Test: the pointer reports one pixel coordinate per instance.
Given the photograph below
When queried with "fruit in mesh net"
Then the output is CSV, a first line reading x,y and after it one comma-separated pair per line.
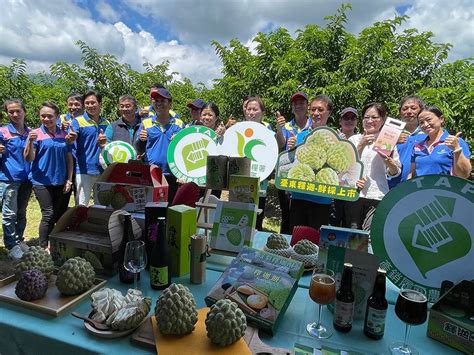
x,y
32,285
305,247
176,311
313,155
340,157
225,323
277,241
327,176
75,276
301,172
35,258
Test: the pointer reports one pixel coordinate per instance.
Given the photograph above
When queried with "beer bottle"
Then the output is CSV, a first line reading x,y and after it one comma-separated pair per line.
x,y
126,276
344,309
376,311
160,261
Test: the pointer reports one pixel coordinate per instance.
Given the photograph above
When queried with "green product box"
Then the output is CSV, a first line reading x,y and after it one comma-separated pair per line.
x,y
244,188
181,225
451,318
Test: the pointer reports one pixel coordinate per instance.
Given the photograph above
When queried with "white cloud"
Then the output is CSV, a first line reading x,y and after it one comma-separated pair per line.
x,y
106,11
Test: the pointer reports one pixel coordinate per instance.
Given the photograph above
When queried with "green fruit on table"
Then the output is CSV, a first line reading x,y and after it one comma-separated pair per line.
x,y
32,285
105,197
176,311
35,258
305,247
225,323
75,276
277,241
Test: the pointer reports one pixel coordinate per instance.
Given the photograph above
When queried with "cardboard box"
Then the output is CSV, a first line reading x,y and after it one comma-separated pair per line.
x,y
451,318
244,189
180,226
92,233
129,186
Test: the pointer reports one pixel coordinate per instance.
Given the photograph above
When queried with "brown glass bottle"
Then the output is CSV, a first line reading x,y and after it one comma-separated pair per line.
x,y
376,311
160,261
344,309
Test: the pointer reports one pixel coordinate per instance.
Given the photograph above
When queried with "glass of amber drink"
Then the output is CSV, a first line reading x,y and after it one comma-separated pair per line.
x,y
322,290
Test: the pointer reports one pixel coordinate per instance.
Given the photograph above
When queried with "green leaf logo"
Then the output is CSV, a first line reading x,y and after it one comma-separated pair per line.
x,y
240,144
249,146
431,237
195,155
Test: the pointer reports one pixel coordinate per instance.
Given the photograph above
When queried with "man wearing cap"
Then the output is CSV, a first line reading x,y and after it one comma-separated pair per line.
x,y
195,108
146,112
156,132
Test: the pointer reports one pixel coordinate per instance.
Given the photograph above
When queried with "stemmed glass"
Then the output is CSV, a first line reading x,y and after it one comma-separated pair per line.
x,y
411,308
322,290
134,259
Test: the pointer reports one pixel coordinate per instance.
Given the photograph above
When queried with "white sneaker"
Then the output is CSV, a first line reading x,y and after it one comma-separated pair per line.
x,y
24,247
15,253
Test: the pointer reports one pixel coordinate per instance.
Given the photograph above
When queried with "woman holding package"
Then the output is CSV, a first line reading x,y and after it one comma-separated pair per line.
x,y
440,152
51,169
377,166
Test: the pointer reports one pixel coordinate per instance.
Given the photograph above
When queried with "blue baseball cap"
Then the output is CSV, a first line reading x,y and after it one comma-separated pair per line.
x,y
161,92
198,103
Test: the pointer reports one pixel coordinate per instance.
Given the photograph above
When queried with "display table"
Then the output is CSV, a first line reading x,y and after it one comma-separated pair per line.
x,y
23,331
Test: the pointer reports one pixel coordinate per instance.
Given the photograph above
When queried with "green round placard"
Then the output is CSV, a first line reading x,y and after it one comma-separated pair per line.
x,y
117,152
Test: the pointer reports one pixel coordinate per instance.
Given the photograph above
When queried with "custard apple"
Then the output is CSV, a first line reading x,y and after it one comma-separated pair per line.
x,y
32,285
93,259
301,172
340,157
225,323
305,247
35,258
118,201
313,155
327,176
105,197
75,276
176,311
277,241
322,138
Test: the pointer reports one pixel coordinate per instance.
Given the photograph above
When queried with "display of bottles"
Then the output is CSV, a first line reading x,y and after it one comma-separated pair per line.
x,y
160,261
344,308
376,311
125,276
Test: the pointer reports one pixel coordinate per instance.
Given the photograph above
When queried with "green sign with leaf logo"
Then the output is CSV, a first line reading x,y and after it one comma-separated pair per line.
x,y
423,230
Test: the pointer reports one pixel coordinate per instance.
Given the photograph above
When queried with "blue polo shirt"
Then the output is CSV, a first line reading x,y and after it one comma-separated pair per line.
x,y
176,116
439,160
86,149
13,167
405,151
50,165
65,117
292,127
158,140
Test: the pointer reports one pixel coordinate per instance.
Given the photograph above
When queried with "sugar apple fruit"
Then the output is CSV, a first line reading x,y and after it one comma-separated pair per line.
x,y
225,323
105,197
313,155
277,241
327,176
176,311
322,138
35,258
75,276
32,285
305,247
301,172
118,201
340,157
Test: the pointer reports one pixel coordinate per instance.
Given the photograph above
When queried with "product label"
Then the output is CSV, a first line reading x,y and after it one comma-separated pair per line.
x,y
376,321
343,313
159,275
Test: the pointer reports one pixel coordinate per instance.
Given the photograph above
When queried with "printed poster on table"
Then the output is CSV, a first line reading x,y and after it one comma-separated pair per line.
x,y
254,141
423,231
324,165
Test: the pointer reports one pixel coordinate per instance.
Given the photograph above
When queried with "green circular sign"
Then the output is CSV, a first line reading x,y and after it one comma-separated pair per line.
x,y
423,231
188,151
117,152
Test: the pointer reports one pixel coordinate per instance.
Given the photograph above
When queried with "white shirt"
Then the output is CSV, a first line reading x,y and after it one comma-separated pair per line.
x,y
375,170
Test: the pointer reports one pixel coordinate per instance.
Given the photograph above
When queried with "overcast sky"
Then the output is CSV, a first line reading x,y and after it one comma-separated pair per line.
x,y
44,31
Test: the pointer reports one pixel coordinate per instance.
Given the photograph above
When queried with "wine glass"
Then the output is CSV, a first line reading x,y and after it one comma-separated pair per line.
x,y
411,308
322,290
134,259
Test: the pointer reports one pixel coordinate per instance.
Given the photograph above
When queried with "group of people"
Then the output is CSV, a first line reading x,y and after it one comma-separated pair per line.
x,y
62,155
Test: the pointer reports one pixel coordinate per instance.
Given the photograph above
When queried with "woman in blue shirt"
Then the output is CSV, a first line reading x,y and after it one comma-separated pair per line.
x,y
15,189
440,152
51,169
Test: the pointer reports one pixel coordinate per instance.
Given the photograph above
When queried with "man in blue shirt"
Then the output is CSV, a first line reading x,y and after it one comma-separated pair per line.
x,y
146,112
156,132
90,129
75,107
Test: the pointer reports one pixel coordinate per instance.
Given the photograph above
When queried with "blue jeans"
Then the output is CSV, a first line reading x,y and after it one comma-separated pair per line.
x,y
14,198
